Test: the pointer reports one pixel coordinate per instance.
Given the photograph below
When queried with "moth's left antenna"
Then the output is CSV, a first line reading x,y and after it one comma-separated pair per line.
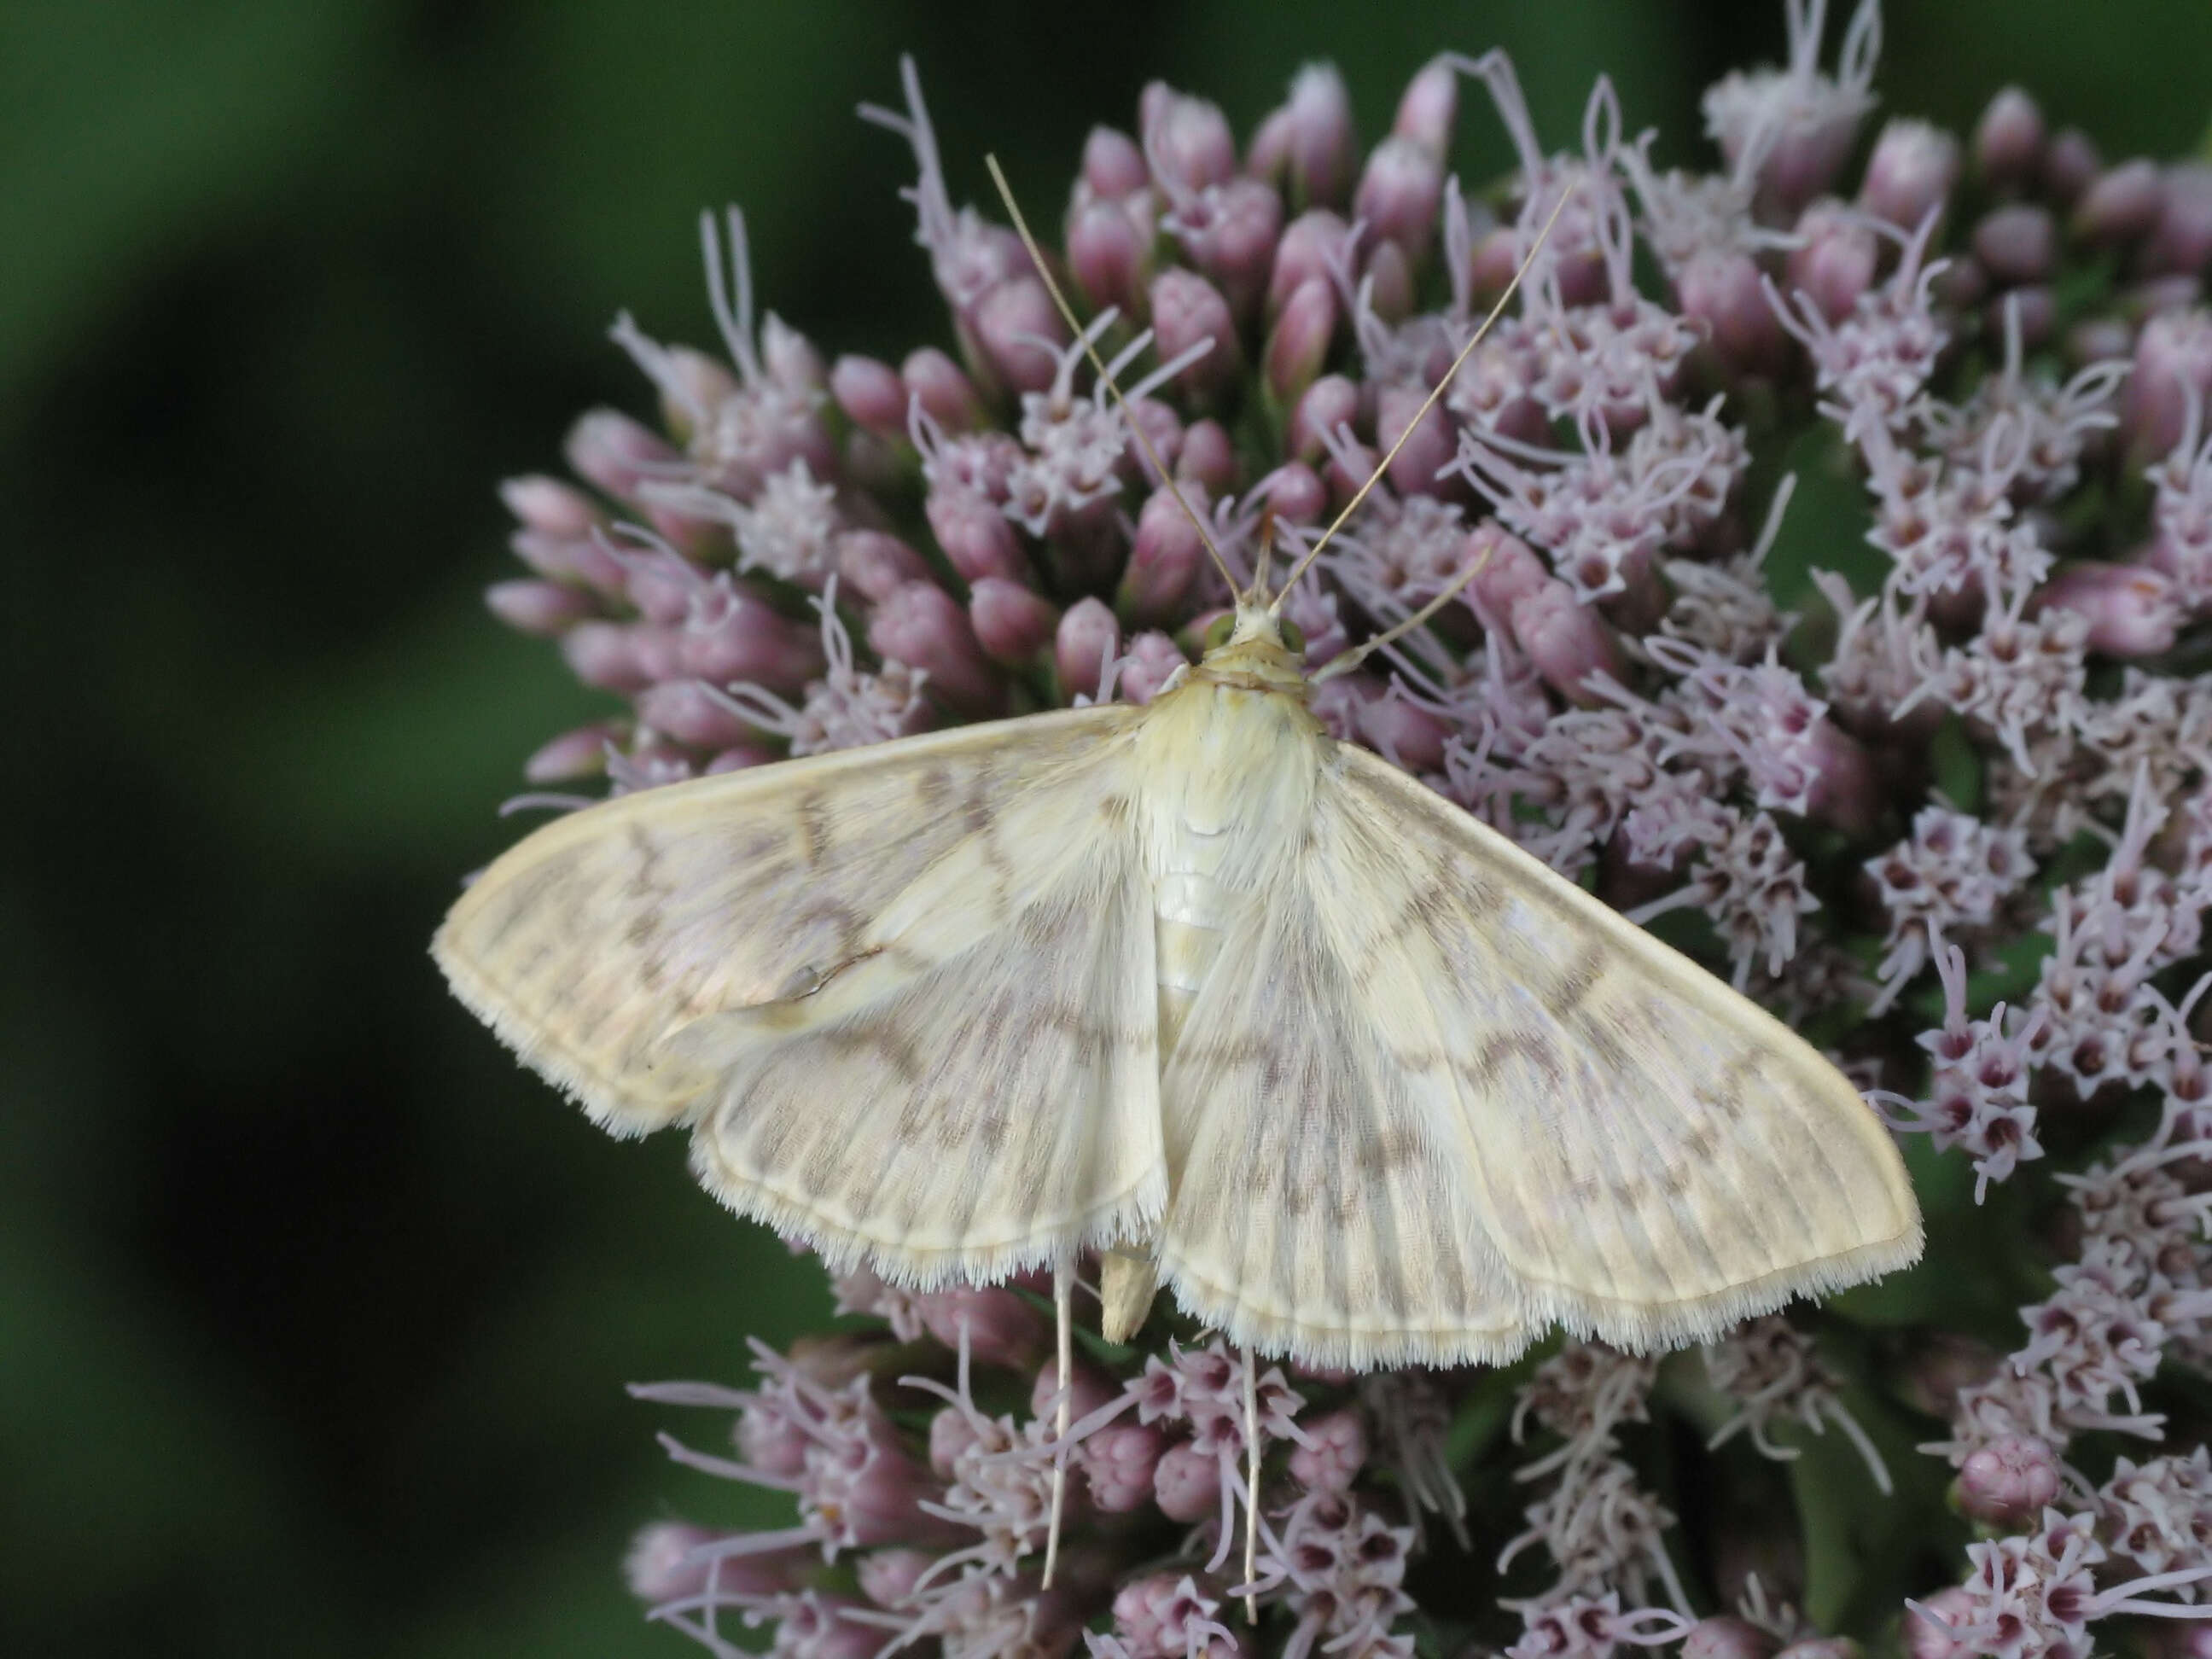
x,y
1098,363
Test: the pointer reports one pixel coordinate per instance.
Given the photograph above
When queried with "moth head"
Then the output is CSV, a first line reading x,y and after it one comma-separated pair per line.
x,y
1254,646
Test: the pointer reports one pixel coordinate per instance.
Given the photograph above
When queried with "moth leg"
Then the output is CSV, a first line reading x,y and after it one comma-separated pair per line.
x,y
1251,1486
1126,1284
1063,1313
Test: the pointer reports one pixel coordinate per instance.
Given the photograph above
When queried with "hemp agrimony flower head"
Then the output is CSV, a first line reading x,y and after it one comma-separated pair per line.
x,y
1930,775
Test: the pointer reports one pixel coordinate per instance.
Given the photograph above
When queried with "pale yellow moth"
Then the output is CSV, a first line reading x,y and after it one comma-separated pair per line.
x,y
1277,1027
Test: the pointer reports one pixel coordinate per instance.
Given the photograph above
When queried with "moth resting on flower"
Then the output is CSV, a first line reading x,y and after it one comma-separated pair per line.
x,y
1355,1078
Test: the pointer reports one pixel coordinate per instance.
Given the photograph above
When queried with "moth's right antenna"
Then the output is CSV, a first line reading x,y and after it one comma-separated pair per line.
x,y
1427,402
1067,314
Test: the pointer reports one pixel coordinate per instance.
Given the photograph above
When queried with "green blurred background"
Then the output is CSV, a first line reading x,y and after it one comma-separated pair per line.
x,y
314,1312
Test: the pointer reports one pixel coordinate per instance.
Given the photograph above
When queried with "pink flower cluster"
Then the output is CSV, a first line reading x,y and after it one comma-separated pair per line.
x,y
1940,793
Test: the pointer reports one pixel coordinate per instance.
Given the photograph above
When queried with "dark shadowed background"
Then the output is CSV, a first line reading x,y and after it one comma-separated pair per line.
x,y
314,1311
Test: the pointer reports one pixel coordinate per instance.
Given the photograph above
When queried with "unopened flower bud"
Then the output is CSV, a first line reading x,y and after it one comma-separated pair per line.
x,y
581,753
1911,170
1847,790
1299,344
1509,571
1153,659
1307,146
1729,1637
872,563
551,508
1012,623
2182,243
2121,204
2071,166
748,640
946,394
1409,734
1002,1328
660,588
888,1577
1399,191
1011,324
1836,260
1566,641
871,394
1208,457
616,453
1388,276
1106,255
1186,139
1429,445
1330,402
1113,166
2133,610
974,534
1350,465
1822,1647
658,651
1496,256
1296,493
604,655
1163,430
2017,244
1428,107
1232,238
1306,251
1186,309
1186,1483
1722,288
923,626
588,560
688,712
1089,1393
2173,362
2007,1482
1166,557
951,1436
2008,139
1119,1460
1329,1458
546,609
1088,640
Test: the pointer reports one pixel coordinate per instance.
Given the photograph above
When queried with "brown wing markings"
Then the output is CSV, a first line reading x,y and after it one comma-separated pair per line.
x,y
1707,1202
811,808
